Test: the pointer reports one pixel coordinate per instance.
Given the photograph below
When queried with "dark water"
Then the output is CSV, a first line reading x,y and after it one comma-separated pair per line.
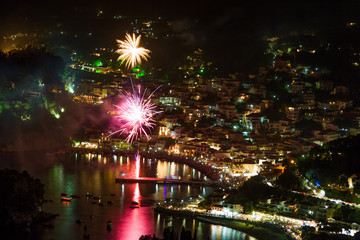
x,y
78,174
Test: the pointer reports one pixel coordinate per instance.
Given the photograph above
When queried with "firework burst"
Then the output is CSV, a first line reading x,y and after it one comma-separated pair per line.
x,y
136,114
130,52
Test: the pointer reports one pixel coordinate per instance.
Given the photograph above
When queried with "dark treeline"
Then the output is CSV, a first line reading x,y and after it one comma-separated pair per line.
x,y
335,162
35,110
20,202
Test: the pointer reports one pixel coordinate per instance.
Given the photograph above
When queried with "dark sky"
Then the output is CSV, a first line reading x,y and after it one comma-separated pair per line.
x,y
181,8
220,27
265,16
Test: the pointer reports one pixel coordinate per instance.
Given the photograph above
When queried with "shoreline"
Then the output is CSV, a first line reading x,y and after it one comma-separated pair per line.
x,y
161,156
256,231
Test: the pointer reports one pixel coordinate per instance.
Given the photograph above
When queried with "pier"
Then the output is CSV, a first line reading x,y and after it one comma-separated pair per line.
x,y
165,181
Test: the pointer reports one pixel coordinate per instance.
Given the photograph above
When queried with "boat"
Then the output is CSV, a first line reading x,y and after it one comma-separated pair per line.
x,y
89,194
54,153
65,199
134,203
134,207
110,202
49,154
63,194
96,197
109,225
48,225
78,221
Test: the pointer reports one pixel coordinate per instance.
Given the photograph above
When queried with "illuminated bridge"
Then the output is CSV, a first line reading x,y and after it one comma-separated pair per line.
x,y
165,181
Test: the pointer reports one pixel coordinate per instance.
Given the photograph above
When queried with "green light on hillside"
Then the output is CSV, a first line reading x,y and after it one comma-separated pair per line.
x,y
97,63
136,69
55,114
140,74
202,70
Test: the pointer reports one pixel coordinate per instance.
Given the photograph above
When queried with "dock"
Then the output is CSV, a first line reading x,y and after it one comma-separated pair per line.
x,y
165,181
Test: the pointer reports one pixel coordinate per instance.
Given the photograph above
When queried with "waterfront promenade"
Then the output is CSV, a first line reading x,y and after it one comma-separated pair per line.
x,y
207,170
164,181
259,230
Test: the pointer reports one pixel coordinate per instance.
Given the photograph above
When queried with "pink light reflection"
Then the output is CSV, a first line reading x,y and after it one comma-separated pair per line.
x,y
136,196
135,222
137,164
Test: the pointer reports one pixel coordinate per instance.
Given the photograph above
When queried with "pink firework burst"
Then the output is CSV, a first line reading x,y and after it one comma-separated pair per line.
x,y
136,114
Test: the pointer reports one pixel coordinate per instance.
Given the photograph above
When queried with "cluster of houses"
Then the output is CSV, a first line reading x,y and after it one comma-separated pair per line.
x,y
228,121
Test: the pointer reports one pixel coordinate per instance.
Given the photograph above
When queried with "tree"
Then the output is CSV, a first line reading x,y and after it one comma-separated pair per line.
x,y
21,198
249,207
206,122
289,180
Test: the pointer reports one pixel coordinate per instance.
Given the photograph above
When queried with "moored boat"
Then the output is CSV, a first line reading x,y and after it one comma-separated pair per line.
x,y
74,196
65,199
96,197
109,225
89,194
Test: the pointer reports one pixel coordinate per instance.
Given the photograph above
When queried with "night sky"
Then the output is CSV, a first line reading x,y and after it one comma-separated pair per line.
x,y
233,35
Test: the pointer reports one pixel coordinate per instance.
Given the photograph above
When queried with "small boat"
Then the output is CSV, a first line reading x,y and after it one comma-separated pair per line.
x,y
48,154
78,221
48,225
63,194
89,194
134,203
134,207
65,199
110,202
96,197
109,225
74,196
54,153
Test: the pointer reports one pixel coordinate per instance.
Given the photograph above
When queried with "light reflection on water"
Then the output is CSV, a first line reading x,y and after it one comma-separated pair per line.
x,y
93,173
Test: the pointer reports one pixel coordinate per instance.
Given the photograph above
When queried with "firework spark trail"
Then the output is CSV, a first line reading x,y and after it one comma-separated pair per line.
x,y
136,114
130,52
